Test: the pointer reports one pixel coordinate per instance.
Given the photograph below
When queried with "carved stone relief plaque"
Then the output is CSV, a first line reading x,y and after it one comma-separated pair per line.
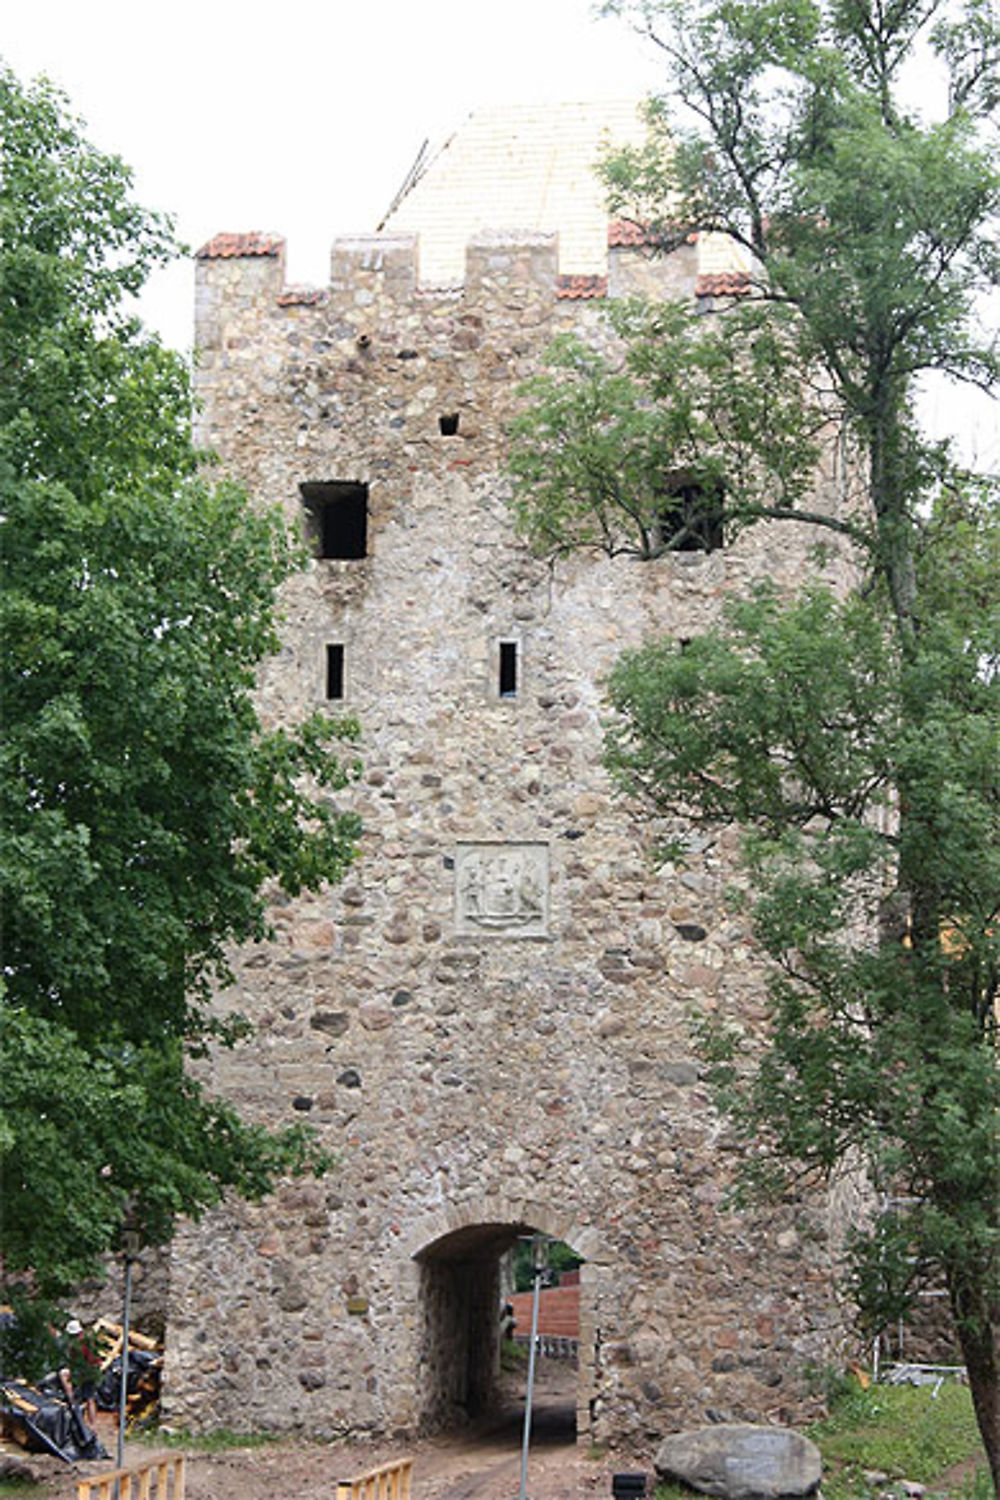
x,y
502,890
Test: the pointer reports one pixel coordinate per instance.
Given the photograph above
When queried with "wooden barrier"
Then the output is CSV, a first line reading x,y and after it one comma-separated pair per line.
x,y
150,1481
387,1482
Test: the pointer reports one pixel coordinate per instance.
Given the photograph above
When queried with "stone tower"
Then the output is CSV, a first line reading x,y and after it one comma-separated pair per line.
x,y
488,1022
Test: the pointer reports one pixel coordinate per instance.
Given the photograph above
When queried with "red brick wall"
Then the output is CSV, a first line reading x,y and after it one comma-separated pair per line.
x,y
558,1311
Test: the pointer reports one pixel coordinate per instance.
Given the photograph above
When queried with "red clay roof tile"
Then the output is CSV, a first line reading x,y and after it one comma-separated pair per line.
x,y
723,284
625,232
581,287
302,296
227,246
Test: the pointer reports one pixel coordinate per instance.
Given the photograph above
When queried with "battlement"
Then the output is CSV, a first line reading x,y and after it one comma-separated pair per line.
x,y
385,265
240,277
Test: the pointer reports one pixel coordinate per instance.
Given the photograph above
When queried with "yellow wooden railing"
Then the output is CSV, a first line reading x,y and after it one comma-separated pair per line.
x,y
149,1481
387,1482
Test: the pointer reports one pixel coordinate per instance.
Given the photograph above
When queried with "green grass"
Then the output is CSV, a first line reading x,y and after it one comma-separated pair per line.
x,y
513,1356
904,1432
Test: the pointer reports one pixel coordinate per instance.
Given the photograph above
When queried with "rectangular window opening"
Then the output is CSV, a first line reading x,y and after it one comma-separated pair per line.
x,y
337,518
508,669
691,516
334,671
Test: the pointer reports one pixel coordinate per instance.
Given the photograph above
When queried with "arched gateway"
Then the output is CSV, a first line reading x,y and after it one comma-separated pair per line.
x,y
458,1297
488,1022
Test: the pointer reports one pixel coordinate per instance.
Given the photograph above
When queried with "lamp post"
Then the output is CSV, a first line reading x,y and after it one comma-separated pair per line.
x,y
539,1262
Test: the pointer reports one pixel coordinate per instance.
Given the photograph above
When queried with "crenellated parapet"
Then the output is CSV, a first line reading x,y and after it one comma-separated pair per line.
x,y
240,278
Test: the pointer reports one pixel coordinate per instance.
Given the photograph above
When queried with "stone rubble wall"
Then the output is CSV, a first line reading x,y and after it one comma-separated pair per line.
x,y
462,1075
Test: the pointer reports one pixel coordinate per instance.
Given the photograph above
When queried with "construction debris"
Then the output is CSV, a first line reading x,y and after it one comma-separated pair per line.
x,y
43,1418
145,1366
45,1422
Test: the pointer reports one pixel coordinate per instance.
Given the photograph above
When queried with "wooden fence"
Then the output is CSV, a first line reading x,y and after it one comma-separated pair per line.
x,y
387,1482
149,1481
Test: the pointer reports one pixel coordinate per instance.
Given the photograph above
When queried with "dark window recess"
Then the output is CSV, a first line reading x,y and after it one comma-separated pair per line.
x,y
334,671
448,424
337,518
508,669
690,518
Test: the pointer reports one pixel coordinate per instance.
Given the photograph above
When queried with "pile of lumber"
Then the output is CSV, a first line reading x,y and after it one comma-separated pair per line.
x,y
145,1367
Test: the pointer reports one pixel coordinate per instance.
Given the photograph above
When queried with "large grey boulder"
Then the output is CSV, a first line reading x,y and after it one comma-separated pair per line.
x,y
741,1462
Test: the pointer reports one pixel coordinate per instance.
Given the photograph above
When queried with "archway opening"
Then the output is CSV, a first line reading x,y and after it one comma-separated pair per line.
x,y
473,1362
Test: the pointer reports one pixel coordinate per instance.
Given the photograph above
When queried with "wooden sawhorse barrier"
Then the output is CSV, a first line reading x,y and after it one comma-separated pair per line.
x,y
150,1481
387,1482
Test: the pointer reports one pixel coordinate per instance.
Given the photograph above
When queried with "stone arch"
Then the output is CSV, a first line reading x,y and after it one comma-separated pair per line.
x,y
454,1255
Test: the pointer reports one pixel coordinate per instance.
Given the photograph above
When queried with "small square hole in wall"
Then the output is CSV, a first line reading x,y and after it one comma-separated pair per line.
x,y
337,518
448,424
335,671
507,673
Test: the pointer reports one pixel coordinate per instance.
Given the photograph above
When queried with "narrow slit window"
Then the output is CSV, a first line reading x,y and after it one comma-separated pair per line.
x,y
448,424
337,518
508,669
335,671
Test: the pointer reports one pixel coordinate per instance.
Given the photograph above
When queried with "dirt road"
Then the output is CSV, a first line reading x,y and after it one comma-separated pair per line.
x,y
482,1462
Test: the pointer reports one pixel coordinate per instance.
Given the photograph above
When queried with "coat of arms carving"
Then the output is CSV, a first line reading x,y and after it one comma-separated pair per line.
x,y
502,889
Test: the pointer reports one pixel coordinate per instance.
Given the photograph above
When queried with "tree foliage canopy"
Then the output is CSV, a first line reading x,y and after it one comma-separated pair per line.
x,y
867,234
852,742
864,782
144,807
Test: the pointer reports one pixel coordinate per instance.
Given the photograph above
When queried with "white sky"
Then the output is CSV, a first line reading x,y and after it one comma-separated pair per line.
x,y
303,117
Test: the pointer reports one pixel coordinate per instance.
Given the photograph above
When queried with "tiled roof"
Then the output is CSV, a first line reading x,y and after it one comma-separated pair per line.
x,y
302,296
523,167
228,246
581,287
723,284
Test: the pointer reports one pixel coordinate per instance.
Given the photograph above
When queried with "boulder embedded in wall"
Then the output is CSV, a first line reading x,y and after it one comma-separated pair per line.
x,y
741,1462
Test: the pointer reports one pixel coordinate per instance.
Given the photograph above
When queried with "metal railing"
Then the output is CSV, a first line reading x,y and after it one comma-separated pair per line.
x,y
149,1481
551,1345
387,1482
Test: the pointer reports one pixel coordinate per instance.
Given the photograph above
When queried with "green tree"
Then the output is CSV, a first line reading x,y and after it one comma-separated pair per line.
x,y
144,807
854,744
805,727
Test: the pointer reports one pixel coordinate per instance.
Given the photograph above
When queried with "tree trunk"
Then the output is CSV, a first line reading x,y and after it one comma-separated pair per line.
x,y
975,1305
889,497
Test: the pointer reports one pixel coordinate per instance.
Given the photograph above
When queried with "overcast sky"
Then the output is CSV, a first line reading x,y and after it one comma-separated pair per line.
x,y
303,117
300,116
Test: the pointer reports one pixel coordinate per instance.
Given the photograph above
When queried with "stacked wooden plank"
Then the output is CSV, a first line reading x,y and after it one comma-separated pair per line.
x,y
145,1370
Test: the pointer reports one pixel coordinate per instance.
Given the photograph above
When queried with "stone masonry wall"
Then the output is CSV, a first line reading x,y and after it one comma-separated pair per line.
x,y
488,1022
